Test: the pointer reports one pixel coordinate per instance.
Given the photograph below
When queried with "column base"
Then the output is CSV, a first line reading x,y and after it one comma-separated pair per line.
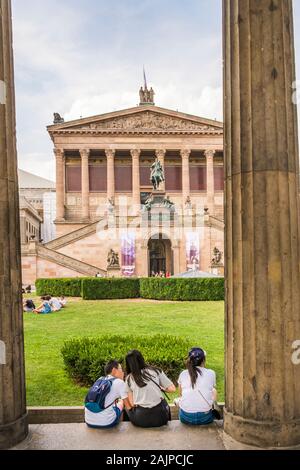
x,y
13,433
263,434
59,221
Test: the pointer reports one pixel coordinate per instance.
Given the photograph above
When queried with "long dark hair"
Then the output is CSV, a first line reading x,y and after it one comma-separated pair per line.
x,y
195,360
136,368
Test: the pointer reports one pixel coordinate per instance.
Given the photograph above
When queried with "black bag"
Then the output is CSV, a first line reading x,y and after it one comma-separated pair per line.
x,y
216,415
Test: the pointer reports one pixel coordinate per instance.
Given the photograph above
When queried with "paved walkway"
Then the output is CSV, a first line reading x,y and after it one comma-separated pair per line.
x,y
175,436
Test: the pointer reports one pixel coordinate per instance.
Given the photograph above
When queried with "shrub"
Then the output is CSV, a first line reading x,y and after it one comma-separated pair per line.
x,y
69,287
115,288
86,358
182,289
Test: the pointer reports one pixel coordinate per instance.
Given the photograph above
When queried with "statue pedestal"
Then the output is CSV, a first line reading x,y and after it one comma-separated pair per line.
x,y
114,271
158,196
217,269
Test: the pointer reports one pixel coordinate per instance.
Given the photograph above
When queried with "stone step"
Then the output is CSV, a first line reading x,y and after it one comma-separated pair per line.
x,y
72,414
72,237
68,262
174,436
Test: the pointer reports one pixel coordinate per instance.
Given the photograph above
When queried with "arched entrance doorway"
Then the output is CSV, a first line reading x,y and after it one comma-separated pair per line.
x,y
160,255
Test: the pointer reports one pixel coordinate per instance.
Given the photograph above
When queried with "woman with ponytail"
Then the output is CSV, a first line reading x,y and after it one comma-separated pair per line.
x,y
197,390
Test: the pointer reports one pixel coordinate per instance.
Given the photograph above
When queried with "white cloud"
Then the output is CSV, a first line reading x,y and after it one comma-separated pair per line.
x,y
85,57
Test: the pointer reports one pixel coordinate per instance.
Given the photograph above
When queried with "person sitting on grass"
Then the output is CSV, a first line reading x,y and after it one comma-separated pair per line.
x,y
145,386
45,307
63,301
55,304
28,306
104,404
197,390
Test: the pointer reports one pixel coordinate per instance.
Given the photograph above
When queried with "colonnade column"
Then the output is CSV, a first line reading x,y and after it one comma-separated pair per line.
x,y
261,225
186,190
60,184
85,183
110,156
13,415
209,154
160,154
136,184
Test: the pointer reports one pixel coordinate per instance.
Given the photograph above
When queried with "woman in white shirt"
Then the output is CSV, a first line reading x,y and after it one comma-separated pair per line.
x,y
197,390
145,386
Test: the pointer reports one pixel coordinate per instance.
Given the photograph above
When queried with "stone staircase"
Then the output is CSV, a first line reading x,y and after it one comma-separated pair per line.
x,y
73,236
68,262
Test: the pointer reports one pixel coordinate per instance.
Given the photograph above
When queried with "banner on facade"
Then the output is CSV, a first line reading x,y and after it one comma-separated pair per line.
x,y
128,254
193,250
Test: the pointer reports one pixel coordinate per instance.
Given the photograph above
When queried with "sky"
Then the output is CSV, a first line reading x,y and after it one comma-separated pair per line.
x,y
86,57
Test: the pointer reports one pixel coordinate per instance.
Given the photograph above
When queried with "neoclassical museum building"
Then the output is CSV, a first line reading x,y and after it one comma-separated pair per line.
x,y
109,218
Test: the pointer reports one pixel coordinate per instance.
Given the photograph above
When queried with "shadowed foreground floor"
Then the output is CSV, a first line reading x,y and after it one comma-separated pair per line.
x,y
175,436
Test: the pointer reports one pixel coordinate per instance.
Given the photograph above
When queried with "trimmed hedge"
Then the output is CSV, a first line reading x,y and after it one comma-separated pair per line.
x,y
86,358
68,287
178,289
183,289
114,288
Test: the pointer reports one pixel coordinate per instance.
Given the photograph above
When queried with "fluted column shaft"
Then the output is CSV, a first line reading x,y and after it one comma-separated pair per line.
x,y
210,179
186,190
161,154
136,188
85,183
110,156
262,232
13,416
60,184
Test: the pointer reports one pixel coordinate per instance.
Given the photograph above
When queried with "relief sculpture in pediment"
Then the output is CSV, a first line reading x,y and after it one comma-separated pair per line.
x,y
152,121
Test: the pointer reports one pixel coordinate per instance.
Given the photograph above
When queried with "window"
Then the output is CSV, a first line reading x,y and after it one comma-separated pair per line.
x,y
73,179
198,178
219,178
173,175
145,175
98,178
123,177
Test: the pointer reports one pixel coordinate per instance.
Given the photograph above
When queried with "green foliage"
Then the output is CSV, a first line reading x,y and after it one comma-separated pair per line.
x,y
182,289
68,287
201,323
114,288
85,358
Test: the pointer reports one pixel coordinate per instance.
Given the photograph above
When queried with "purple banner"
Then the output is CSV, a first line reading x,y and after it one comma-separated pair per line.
x,y
128,254
192,250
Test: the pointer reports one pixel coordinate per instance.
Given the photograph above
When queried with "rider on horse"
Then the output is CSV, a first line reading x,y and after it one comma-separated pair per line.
x,y
157,174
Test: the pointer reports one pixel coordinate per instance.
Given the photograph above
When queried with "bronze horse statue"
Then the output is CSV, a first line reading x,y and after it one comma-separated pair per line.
x,y
157,174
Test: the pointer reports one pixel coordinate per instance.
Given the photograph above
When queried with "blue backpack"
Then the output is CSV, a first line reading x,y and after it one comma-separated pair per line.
x,y
95,399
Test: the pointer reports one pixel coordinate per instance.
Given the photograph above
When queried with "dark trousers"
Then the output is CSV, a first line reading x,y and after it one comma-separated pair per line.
x,y
150,417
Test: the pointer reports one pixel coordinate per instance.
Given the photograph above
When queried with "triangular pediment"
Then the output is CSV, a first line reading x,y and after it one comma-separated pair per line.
x,y
141,119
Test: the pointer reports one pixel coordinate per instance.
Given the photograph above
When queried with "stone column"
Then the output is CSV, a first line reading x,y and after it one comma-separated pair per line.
x,y
176,258
136,185
161,153
85,184
210,180
13,415
60,185
186,190
262,231
110,156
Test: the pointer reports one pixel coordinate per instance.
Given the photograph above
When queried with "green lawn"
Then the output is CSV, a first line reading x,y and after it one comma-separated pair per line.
x,y
47,382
